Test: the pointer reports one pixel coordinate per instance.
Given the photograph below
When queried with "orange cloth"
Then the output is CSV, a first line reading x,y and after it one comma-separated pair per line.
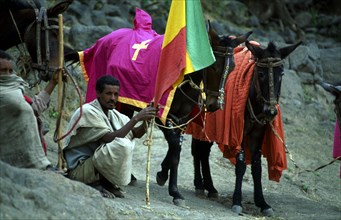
x,y
225,127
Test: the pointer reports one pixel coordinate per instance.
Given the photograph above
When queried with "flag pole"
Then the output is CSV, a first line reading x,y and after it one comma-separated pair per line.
x,y
60,89
149,142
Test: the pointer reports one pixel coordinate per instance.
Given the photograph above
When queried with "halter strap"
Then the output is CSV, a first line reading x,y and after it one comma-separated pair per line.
x,y
269,63
228,55
41,17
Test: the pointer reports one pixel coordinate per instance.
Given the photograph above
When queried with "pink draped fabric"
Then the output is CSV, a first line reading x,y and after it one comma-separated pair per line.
x,y
132,56
337,143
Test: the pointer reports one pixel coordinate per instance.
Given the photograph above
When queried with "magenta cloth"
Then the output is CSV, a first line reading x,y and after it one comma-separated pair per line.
x,y
118,54
337,143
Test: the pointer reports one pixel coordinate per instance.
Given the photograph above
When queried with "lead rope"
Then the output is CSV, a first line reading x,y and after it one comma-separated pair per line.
x,y
253,113
291,158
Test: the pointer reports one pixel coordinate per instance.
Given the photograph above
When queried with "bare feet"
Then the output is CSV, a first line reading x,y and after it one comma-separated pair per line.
x,y
105,193
117,191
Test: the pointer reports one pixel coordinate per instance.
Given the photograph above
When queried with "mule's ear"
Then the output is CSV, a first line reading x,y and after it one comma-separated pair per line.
x,y
255,49
241,39
212,35
59,8
331,88
285,51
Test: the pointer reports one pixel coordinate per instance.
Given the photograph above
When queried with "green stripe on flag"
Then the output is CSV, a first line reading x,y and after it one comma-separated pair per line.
x,y
198,46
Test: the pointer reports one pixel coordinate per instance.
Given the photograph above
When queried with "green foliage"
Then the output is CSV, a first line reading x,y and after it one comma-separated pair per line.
x,y
156,8
314,16
305,188
53,113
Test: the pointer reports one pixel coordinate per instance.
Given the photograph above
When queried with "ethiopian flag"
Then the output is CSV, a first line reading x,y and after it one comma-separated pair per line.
x,y
185,49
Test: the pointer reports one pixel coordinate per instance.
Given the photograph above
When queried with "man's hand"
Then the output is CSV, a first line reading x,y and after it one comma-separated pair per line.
x,y
55,78
147,113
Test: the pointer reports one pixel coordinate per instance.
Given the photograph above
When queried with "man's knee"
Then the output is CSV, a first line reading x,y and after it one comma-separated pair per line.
x,y
85,172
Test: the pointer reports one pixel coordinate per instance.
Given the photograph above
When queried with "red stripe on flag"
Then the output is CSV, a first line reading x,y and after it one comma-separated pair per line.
x,y
171,65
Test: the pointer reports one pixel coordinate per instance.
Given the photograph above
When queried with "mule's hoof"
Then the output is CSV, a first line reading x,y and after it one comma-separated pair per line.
x,y
237,209
268,212
179,202
160,181
199,192
213,195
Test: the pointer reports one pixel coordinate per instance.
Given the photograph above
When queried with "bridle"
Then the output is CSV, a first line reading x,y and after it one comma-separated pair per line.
x,y
269,63
228,55
42,24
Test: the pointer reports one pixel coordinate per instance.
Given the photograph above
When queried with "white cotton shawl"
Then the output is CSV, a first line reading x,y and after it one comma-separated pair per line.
x,y
113,160
19,136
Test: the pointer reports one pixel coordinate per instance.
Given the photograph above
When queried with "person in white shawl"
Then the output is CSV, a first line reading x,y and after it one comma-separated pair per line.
x,y
20,137
99,150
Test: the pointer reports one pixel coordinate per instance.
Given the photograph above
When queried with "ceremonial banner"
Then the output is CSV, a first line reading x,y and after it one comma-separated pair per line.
x,y
185,49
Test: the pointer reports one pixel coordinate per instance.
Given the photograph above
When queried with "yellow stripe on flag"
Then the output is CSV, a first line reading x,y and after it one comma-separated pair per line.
x,y
178,14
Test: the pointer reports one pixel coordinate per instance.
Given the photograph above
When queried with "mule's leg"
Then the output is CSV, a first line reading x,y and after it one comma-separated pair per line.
x,y
196,145
204,153
256,170
239,172
171,162
170,134
178,199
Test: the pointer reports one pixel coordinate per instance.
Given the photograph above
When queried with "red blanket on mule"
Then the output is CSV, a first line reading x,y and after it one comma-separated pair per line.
x,y
225,127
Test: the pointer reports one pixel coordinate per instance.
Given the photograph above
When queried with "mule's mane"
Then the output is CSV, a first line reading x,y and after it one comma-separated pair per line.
x,y
272,47
17,4
225,40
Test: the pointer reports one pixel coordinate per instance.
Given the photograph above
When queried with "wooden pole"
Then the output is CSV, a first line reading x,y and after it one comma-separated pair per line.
x,y
149,143
60,90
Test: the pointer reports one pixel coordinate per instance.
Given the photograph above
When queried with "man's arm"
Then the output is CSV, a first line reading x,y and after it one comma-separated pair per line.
x,y
145,114
139,131
42,100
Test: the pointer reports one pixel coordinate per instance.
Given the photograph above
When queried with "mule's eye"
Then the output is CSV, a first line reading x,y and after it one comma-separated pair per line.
x,y
261,74
282,74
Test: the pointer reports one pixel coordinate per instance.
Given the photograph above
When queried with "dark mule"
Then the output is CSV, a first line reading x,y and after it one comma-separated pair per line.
x,y
263,96
214,78
186,97
30,23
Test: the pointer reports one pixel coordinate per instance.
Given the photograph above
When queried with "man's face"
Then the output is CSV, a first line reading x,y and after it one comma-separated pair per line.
x,y
6,67
109,97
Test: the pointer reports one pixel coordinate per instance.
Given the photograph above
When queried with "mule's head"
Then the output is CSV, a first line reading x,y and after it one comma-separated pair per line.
x,y
336,91
267,78
42,38
215,76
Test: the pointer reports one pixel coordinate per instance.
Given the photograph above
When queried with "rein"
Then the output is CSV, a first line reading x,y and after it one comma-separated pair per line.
x,y
199,103
194,86
291,158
